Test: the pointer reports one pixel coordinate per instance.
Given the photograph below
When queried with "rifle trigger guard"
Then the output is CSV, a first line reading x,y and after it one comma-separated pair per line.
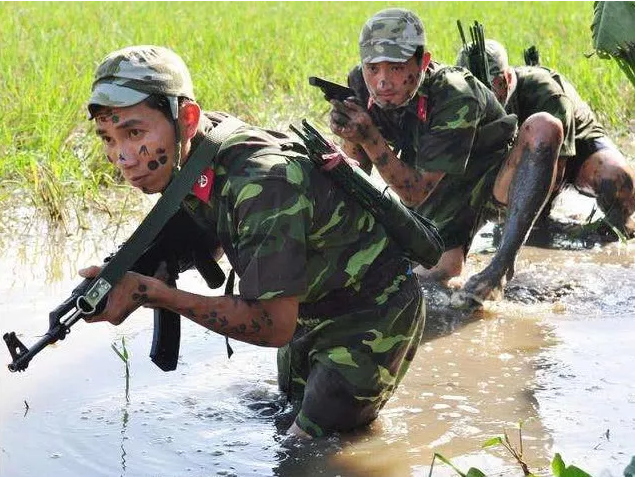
x,y
88,303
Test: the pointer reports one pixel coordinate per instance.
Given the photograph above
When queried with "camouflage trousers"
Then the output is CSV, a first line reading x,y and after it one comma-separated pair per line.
x,y
343,369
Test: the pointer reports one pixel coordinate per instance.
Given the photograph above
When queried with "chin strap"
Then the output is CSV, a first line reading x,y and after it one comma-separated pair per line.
x,y
174,108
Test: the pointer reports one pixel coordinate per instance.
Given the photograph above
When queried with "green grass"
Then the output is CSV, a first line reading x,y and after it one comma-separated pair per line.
x,y
248,58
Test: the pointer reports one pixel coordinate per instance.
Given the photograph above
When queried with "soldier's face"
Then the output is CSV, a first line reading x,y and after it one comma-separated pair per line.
x,y
392,84
139,141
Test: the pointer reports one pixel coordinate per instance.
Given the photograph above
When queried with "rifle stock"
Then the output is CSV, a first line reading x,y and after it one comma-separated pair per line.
x,y
181,244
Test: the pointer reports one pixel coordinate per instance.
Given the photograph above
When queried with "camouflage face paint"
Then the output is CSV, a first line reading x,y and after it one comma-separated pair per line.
x,y
162,156
160,161
115,119
144,150
142,296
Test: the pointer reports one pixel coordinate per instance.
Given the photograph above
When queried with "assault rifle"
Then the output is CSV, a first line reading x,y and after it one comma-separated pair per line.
x,y
532,56
475,52
417,236
181,244
331,90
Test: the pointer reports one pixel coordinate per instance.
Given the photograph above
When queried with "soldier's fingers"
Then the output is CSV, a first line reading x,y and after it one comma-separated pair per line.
x,y
341,131
340,106
354,105
340,119
89,272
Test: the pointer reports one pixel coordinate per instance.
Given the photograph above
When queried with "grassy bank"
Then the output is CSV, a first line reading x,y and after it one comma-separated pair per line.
x,y
251,59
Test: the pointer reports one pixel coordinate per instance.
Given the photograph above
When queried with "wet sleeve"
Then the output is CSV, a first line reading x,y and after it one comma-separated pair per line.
x,y
271,222
446,145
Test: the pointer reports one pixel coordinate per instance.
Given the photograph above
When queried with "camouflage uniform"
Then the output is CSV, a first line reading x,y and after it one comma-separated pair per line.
x,y
453,124
541,89
287,230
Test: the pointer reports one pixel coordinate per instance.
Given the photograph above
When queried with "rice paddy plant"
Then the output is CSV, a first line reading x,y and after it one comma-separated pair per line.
x,y
558,467
248,58
123,355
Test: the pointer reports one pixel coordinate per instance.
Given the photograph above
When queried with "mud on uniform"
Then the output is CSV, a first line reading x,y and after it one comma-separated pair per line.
x,y
287,230
542,89
453,124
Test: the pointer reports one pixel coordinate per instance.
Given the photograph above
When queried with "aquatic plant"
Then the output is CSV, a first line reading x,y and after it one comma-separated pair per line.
x,y
123,354
558,467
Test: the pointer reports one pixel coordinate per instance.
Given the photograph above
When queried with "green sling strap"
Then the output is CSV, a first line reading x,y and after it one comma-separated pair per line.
x,y
156,219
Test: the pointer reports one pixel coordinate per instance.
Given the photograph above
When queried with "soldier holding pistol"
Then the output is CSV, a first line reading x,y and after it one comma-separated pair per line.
x,y
442,142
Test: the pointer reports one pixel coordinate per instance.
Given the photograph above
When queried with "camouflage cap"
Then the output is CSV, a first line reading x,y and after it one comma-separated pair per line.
x,y
496,54
128,76
392,34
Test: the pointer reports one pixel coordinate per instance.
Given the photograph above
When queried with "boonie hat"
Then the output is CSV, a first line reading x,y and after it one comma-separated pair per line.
x,y
128,76
393,34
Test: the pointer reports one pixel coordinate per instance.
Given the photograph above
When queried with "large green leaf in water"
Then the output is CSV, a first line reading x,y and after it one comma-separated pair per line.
x,y
613,32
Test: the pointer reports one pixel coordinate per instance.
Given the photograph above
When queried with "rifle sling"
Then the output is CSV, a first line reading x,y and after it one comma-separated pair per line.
x,y
167,205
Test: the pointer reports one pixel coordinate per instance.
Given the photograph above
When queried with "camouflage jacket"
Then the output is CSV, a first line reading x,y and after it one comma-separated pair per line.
x,y
285,227
541,89
454,136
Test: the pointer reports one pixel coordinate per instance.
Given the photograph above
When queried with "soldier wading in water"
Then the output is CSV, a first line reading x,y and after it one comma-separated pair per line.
x,y
320,279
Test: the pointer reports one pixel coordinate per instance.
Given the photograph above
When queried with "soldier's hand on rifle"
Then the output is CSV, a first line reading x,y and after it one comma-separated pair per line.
x,y
334,159
351,122
129,294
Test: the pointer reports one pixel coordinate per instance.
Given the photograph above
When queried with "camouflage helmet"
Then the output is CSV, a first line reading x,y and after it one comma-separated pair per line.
x,y
496,54
393,34
128,76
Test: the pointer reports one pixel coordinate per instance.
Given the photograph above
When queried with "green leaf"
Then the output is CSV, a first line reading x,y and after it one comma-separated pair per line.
x,y
614,34
612,26
447,462
557,466
114,348
560,470
474,472
630,469
494,441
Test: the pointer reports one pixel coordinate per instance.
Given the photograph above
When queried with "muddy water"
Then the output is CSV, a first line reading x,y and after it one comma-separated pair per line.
x,y
557,355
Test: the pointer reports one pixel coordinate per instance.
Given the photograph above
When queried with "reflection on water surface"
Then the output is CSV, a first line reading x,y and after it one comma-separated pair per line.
x,y
556,354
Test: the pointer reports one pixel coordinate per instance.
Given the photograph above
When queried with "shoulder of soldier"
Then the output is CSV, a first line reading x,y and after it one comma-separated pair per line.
x,y
451,82
536,75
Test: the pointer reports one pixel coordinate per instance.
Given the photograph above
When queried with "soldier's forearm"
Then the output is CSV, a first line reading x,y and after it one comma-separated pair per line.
x,y
406,181
260,322
356,151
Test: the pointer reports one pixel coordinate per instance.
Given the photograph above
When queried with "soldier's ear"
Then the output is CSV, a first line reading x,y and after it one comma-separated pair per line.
x,y
425,60
189,116
507,73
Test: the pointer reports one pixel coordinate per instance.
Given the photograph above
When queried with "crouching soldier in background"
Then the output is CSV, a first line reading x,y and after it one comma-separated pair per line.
x,y
588,158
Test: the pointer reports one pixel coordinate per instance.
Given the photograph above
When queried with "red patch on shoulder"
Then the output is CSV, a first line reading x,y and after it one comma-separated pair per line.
x,y
204,185
422,108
